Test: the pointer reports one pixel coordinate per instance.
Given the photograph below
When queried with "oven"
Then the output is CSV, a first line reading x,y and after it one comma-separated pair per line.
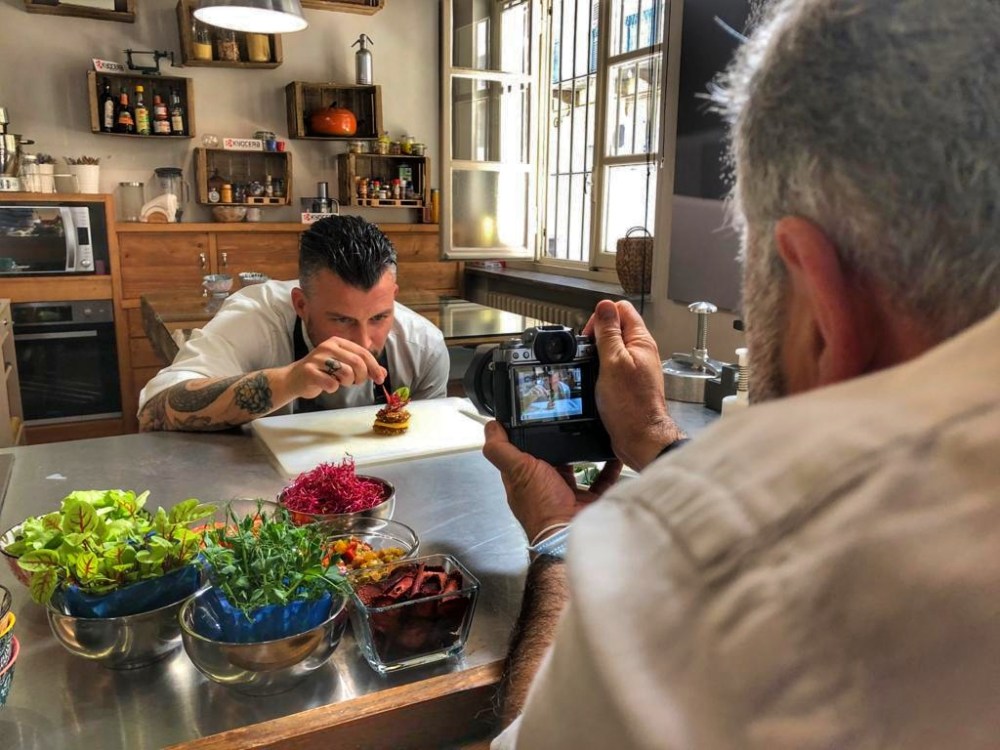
x,y
67,361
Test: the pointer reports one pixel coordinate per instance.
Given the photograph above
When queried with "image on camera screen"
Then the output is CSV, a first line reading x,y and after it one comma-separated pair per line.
x,y
549,392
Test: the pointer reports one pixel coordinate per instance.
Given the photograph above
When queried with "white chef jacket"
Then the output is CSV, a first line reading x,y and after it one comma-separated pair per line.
x,y
822,571
253,331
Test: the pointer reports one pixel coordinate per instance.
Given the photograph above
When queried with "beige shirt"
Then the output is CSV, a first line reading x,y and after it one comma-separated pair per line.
x,y
253,331
818,572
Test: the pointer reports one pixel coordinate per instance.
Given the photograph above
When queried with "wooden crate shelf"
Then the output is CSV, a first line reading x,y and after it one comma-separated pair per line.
x,y
352,167
362,7
185,22
365,102
243,167
152,84
124,11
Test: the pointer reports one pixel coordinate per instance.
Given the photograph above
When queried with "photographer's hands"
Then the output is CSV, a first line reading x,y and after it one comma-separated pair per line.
x,y
540,494
629,386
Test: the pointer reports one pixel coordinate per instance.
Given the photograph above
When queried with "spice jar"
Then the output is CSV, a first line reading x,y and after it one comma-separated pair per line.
x,y
226,193
417,149
227,48
382,144
259,47
357,147
406,144
395,148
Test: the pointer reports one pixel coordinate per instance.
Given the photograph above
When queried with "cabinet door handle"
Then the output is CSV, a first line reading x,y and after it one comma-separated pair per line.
x,y
203,261
225,260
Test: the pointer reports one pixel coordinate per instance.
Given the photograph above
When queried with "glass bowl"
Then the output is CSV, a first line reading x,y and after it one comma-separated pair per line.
x,y
6,637
417,631
267,667
379,533
217,284
6,540
384,509
7,674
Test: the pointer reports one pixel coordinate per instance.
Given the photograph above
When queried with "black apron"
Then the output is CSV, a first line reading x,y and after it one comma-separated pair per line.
x,y
301,349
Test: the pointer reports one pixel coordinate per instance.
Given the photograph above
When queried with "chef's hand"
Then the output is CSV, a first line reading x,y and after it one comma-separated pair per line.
x,y
629,387
334,363
539,494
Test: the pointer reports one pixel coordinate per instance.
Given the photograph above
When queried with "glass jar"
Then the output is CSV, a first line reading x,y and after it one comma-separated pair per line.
x,y
417,149
406,144
201,41
357,147
131,198
395,148
259,47
227,48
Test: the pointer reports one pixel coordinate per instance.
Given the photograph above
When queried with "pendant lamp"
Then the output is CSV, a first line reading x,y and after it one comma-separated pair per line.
x,y
255,16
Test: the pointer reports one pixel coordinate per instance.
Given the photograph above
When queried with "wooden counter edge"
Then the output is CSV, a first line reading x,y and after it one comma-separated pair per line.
x,y
437,712
255,226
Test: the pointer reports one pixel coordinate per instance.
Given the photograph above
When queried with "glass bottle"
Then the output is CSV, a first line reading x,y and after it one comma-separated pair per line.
x,y
107,107
126,120
178,124
141,113
215,183
201,41
227,47
161,117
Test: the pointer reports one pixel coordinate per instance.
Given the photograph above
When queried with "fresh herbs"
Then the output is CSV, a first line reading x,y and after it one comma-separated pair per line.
x,y
260,560
396,400
101,540
332,488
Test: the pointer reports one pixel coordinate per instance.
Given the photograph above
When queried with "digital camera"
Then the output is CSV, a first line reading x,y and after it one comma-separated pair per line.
x,y
540,387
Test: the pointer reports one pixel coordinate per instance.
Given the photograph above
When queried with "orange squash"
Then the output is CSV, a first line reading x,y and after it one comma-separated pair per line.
x,y
333,120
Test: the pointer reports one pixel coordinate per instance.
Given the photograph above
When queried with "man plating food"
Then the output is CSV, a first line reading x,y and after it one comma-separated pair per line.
x,y
332,339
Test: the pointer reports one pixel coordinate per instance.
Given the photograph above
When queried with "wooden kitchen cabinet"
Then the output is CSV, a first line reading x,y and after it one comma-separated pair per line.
x,y
273,253
11,415
163,261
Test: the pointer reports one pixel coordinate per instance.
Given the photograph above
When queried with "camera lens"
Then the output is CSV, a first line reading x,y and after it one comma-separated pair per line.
x,y
555,346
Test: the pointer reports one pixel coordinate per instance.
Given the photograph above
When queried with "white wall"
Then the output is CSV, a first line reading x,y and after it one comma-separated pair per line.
x,y
43,85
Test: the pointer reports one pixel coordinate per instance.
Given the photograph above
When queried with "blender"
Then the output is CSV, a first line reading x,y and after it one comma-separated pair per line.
x,y
170,192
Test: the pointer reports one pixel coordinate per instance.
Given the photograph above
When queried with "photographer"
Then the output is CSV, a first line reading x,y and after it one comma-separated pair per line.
x,y
819,571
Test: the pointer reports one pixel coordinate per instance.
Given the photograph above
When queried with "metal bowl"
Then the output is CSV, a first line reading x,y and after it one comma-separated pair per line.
x,y
119,642
384,509
247,278
6,540
267,667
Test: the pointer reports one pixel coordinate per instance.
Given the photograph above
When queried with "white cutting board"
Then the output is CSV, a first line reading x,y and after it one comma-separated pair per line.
x,y
298,442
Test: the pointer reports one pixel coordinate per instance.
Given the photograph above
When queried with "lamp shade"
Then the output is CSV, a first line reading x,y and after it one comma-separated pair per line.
x,y
256,16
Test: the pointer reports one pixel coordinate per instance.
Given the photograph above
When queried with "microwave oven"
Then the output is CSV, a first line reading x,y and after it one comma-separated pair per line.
x,y
61,237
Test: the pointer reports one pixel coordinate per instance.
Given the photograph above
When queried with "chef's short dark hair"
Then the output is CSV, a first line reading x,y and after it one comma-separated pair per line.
x,y
357,251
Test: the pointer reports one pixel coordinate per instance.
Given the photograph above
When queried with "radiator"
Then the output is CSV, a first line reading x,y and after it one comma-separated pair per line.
x,y
547,312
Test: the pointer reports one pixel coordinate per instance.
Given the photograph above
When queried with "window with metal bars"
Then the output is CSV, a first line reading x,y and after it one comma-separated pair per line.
x,y
605,87
552,126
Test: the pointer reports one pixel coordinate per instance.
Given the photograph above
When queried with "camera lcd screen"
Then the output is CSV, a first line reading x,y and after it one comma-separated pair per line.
x,y
547,393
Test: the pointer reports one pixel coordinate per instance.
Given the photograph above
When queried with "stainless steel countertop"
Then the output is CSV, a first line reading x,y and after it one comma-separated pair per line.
x,y
455,503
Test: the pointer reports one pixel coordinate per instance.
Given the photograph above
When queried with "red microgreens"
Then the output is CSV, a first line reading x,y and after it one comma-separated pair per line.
x,y
397,399
332,488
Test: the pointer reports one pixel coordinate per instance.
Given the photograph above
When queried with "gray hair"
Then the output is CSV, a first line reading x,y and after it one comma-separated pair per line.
x,y
878,120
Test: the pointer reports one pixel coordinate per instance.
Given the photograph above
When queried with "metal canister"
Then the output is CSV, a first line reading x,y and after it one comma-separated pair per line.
x,y
363,61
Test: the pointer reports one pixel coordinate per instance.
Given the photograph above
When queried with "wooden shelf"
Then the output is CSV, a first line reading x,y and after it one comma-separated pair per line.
x,y
124,11
352,167
243,167
362,7
365,102
185,22
152,84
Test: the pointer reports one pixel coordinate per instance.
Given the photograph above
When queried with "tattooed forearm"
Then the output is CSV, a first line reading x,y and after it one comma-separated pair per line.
x,y
253,395
203,404
187,399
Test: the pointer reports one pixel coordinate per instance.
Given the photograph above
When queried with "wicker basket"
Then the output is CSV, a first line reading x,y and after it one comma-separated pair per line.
x,y
634,261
